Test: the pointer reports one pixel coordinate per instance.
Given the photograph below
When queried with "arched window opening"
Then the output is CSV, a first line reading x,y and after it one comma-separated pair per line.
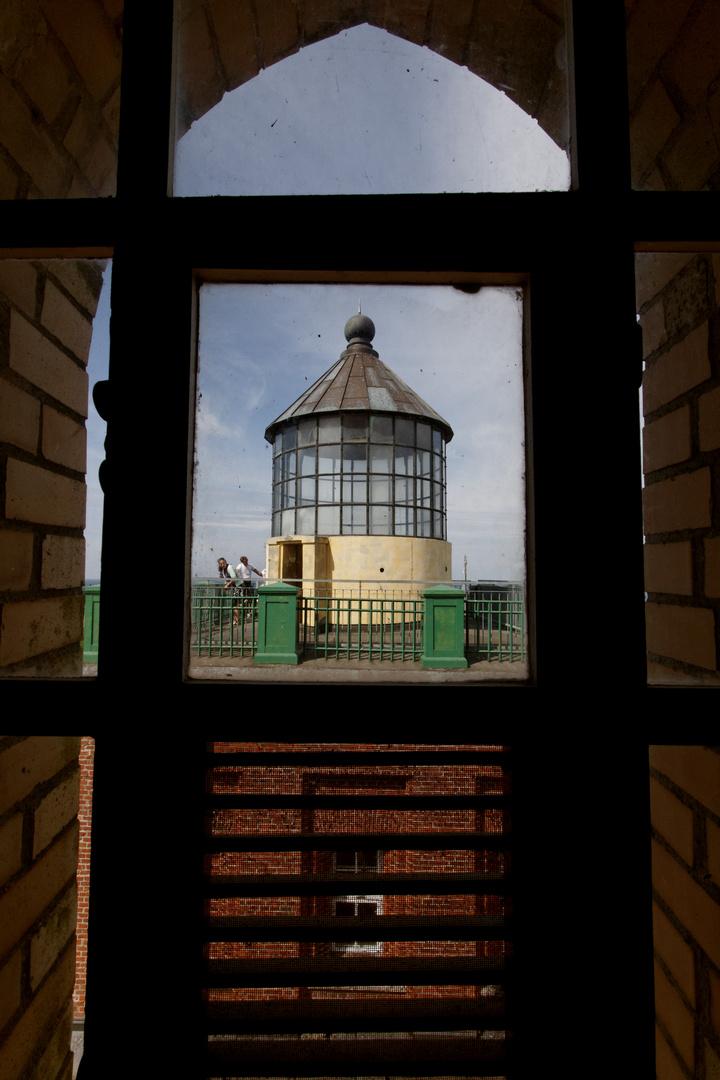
x,y
366,112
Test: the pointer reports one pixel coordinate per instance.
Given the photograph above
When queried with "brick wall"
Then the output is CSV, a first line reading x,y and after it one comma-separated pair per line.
x,y
399,781
59,98
685,811
46,313
39,792
518,47
677,297
673,67
86,762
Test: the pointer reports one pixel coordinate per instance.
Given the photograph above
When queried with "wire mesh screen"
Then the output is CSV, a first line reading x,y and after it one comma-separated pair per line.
x,y
358,910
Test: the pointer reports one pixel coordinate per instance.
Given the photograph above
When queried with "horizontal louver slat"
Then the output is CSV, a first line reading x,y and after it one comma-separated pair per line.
x,y
411,1056
280,801
438,841
228,885
365,971
320,995
377,928
346,758
313,1016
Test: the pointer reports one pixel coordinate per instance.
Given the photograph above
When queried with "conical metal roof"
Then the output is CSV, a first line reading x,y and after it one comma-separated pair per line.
x,y
359,381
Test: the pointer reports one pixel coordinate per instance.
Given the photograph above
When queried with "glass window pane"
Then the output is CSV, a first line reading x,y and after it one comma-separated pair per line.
x,y
307,432
354,519
423,462
328,520
354,458
289,437
381,459
306,492
404,461
380,518
289,465
306,462
329,429
306,521
404,489
328,489
404,520
328,459
380,489
481,512
381,429
424,523
355,489
405,431
355,426
424,436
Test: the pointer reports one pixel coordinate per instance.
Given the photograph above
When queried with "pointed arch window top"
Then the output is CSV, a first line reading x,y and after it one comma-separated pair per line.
x,y
366,112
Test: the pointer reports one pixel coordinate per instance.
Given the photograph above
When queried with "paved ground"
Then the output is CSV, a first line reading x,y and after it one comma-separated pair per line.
x,y
369,672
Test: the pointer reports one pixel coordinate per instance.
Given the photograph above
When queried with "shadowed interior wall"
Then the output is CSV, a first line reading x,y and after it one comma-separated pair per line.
x,y
39,795
677,296
685,812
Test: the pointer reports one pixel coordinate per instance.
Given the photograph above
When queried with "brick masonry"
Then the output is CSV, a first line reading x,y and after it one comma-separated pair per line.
x,y
673,67
678,296
685,812
39,835
46,313
86,764
516,47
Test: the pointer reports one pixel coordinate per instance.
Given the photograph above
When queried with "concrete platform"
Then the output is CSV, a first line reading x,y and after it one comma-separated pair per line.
x,y
360,672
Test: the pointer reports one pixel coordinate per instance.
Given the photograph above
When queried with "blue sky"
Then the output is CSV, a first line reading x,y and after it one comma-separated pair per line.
x,y
388,116
98,362
262,346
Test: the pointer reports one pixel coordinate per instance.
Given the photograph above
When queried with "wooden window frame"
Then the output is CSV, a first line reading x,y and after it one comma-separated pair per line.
x,y
576,251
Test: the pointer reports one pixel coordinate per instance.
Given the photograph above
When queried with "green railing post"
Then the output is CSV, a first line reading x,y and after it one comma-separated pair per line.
x,y
277,625
444,628
91,630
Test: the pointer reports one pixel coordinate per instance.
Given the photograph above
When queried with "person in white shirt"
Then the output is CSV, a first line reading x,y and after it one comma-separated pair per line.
x,y
245,569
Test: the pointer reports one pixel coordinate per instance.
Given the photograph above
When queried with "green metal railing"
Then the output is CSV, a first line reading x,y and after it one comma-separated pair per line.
x,y
495,624
361,627
358,621
223,621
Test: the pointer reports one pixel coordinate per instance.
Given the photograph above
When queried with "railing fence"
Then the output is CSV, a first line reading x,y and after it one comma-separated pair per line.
x,y
359,620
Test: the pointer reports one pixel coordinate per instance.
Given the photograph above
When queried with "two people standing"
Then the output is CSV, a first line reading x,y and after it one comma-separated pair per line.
x,y
241,575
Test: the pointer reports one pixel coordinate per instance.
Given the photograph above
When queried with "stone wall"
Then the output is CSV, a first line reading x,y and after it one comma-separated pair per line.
x,y
39,791
673,69
519,48
46,313
685,808
677,296
59,98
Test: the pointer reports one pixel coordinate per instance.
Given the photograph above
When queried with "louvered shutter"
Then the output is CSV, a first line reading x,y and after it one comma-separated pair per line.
x,y
292,987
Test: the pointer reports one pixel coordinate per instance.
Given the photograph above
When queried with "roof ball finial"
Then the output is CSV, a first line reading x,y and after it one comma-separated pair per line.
x,y
359,328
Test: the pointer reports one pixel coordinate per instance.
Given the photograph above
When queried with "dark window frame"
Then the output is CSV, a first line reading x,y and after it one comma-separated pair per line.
x,y
577,250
